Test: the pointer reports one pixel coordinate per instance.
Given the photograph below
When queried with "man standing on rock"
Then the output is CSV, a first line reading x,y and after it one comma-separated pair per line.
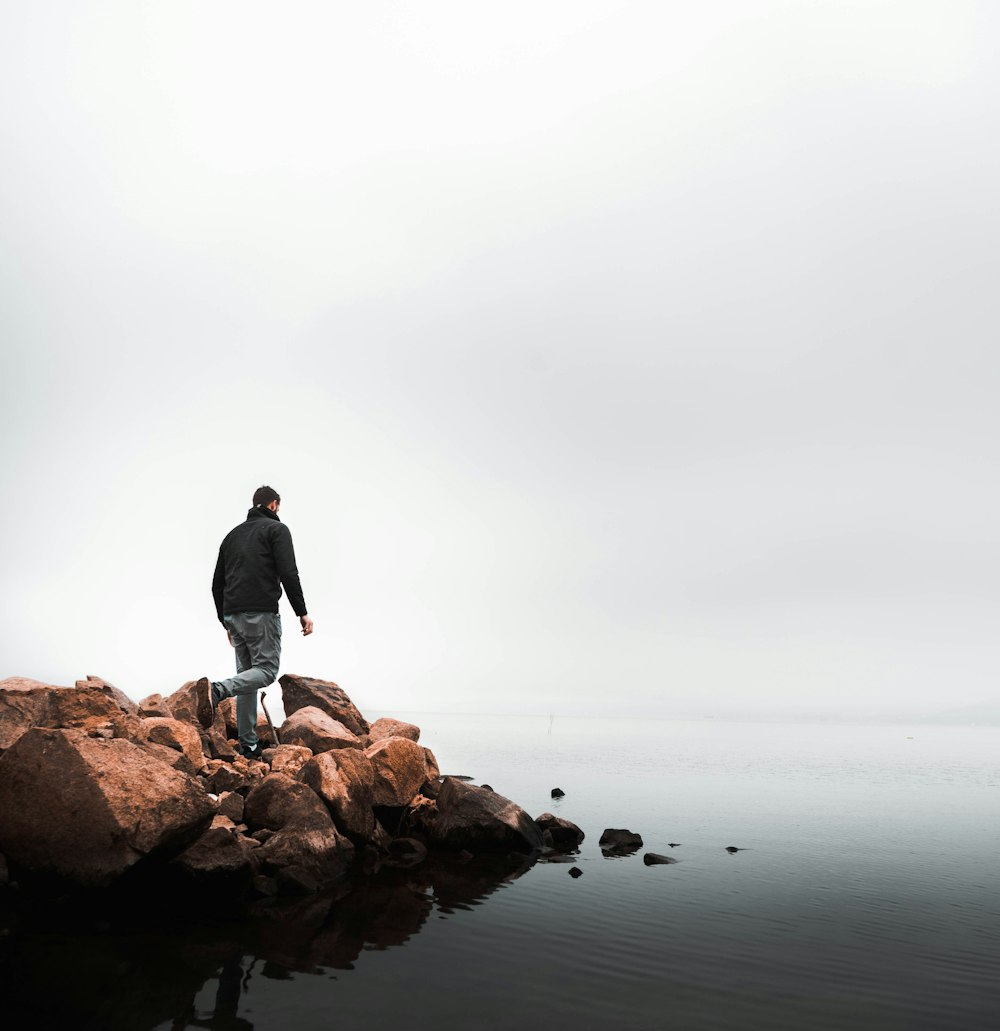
x,y
255,560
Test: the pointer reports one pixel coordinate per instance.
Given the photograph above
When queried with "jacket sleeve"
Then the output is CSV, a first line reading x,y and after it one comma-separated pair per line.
x,y
219,585
288,574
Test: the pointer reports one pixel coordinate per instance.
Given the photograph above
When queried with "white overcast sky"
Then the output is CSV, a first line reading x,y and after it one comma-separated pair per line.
x,y
608,357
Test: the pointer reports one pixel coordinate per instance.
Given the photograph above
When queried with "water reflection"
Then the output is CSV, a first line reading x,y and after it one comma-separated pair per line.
x,y
136,964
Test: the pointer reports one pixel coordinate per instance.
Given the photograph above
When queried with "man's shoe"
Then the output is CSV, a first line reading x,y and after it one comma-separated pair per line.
x,y
257,752
204,702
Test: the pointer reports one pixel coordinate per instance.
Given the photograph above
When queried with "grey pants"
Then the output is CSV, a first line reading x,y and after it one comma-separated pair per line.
x,y
257,640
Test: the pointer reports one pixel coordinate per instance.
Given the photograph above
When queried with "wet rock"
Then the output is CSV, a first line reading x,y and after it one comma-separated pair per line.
x,y
655,859
217,858
315,730
305,853
287,759
619,842
400,769
177,735
155,705
88,810
298,692
576,872
386,727
558,833
345,780
558,793
470,817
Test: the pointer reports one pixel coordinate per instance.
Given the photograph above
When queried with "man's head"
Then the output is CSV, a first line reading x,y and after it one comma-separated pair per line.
x,y
266,497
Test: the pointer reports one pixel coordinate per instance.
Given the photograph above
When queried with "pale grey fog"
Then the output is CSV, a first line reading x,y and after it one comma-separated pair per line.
x,y
608,357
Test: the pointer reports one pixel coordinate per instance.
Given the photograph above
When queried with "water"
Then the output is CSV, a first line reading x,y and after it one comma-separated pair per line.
x,y
866,895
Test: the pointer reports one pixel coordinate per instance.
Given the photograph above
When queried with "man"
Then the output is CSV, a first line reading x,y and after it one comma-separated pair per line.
x,y
255,560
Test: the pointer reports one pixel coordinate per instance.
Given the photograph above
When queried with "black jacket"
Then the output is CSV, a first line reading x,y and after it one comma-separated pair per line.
x,y
254,557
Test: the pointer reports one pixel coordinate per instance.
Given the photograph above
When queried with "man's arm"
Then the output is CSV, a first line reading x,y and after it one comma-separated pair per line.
x,y
288,574
219,585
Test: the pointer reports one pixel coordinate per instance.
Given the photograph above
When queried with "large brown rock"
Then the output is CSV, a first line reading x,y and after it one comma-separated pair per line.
x,y
217,858
314,729
120,699
305,853
190,703
177,735
400,768
386,727
155,705
287,759
480,820
88,809
345,780
562,835
298,692
26,703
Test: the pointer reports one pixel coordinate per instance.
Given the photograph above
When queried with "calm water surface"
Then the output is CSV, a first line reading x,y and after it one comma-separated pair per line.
x,y
867,896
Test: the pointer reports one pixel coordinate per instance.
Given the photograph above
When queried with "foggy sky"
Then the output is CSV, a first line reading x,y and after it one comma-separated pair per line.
x,y
608,357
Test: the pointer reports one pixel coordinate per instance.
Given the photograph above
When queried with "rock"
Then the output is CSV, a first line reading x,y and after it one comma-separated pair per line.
x,y
619,842
400,770
314,729
231,805
655,859
487,787
576,872
224,776
178,760
433,770
299,692
305,853
558,793
482,821
190,704
558,833
88,810
155,705
216,745
386,727
217,858
345,780
120,699
287,759
28,703
177,735
405,852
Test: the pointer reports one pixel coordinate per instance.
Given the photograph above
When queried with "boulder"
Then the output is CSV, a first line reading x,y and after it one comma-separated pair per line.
x,y
400,769
155,705
88,809
217,858
287,759
222,776
28,703
433,770
299,692
386,727
558,833
191,703
177,735
473,818
231,805
619,842
216,745
345,780
305,853
315,730
120,699
178,760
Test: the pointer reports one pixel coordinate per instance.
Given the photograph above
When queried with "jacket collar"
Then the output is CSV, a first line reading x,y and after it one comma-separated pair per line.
x,y
260,512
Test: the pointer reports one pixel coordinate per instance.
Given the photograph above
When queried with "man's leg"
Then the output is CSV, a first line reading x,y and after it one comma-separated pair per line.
x,y
257,640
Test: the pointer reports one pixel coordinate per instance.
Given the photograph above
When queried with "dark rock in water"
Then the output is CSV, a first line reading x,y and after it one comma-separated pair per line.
x,y
673,844
456,776
655,859
486,787
298,692
558,833
466,816
619,842
732,848
558,793
88,809
217,858
576,872
405,853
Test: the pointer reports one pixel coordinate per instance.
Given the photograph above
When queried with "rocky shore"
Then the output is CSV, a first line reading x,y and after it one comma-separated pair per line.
x,y
99,791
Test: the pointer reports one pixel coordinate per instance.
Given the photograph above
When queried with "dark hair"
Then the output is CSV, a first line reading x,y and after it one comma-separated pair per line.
x,y
265,495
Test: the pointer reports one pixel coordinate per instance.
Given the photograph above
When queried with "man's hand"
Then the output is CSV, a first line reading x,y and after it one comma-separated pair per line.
x,y
307,625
